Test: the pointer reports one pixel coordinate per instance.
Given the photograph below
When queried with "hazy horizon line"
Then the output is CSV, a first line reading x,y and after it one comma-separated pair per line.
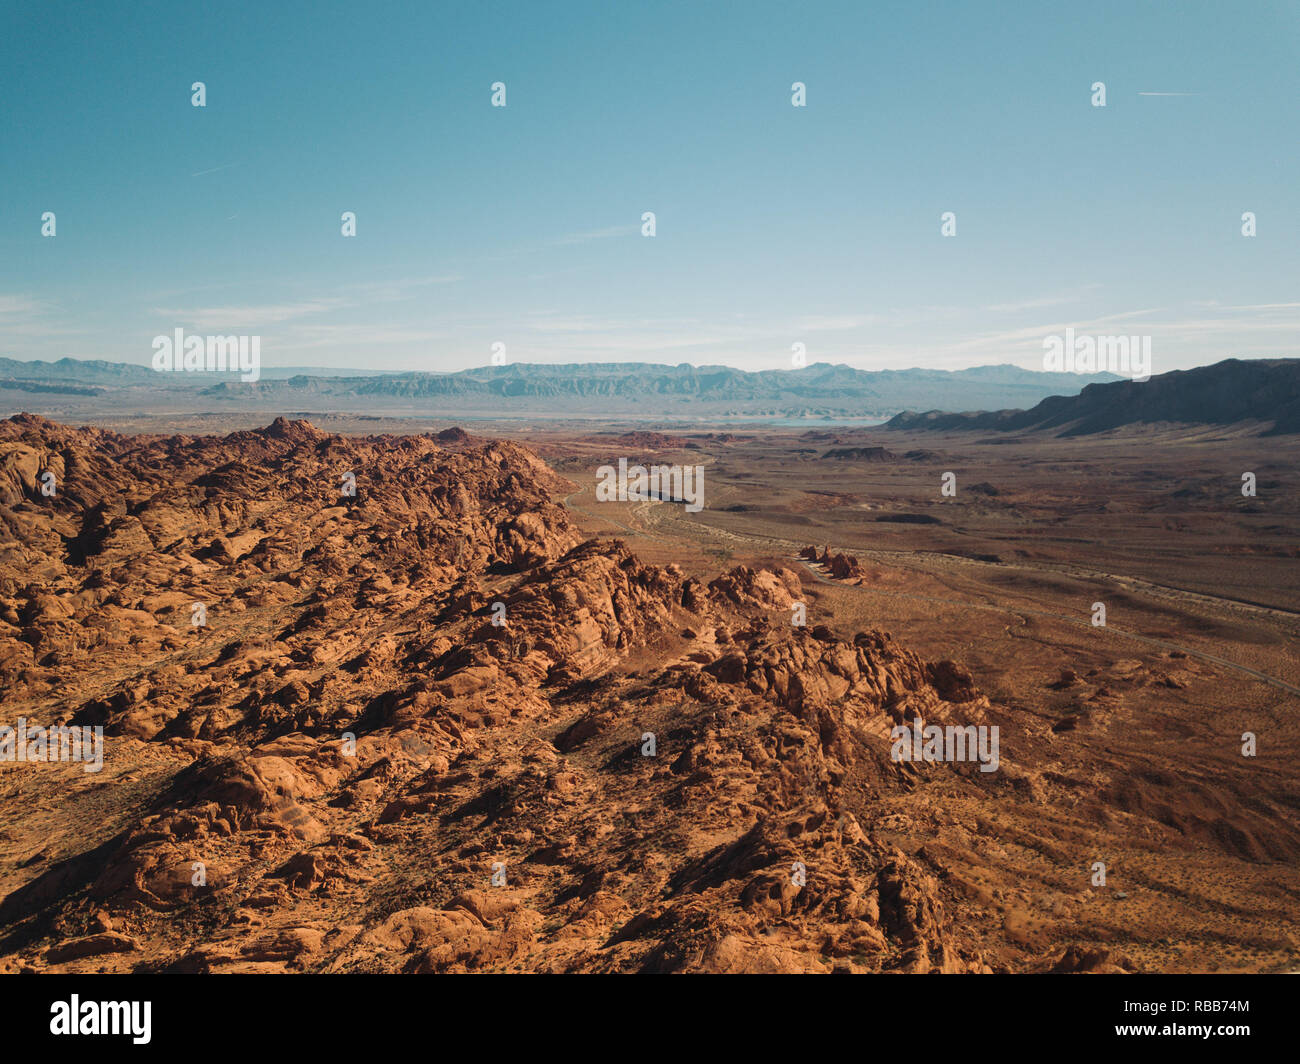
x,y
358,370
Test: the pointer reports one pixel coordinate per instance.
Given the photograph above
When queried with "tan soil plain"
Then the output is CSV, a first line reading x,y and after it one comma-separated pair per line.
x,y
518,749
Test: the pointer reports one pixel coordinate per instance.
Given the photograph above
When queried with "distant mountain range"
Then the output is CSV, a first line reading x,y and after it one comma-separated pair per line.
x,y
1263,392
836,388
97,371
577,390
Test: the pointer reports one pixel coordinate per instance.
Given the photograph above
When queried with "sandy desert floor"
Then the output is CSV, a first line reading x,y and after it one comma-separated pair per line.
x,y
1132,732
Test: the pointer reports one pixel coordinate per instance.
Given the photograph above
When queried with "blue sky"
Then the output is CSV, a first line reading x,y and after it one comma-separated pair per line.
x,y
775,224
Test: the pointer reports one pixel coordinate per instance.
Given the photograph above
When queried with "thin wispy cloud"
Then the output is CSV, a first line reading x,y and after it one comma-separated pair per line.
x,y
1248,306
399,288
831,323
1043,301
245,316
264,314
30,317
608,233
213,170
1035,333
21,304
355,341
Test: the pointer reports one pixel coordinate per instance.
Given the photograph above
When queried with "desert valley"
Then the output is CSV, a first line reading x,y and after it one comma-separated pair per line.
x,y
384,694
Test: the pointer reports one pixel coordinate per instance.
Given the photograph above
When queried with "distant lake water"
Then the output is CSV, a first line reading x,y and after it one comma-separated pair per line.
x,y
657,423
807,422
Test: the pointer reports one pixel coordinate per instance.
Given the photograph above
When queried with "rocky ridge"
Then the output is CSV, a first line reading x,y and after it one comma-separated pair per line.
x,y
423,727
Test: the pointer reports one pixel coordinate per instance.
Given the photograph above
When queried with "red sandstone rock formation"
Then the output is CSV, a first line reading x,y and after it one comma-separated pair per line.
x,y
411,733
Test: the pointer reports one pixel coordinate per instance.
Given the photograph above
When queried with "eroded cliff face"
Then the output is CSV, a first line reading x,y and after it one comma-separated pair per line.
x,y
422,727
